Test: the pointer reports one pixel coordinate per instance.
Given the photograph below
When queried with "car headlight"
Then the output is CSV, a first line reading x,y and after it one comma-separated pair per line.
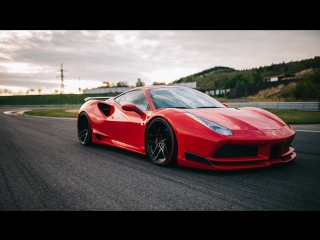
x,y
213,126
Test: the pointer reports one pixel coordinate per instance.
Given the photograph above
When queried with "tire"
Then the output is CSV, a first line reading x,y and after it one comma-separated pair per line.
x,y
84,129
161,143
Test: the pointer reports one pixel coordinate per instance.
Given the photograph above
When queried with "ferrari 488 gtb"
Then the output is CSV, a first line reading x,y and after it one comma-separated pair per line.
x,y
183,126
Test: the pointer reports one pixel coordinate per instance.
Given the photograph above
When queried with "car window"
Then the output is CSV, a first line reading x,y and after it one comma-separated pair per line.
x,y
182,98
136,97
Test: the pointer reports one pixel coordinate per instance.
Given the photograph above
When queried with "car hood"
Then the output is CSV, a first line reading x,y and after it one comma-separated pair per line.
x,y
240,118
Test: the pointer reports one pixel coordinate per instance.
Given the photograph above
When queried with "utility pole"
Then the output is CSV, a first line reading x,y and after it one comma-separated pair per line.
x,y
79,89
61,76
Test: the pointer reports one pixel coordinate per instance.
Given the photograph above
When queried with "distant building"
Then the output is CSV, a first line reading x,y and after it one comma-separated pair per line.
x,y
287,77
106,90
279,78
186,84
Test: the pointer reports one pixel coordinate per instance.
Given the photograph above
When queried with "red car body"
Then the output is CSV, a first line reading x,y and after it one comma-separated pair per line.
x,y
212,137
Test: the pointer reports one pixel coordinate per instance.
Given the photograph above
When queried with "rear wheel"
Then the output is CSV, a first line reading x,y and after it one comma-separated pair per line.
x,y
161,144
84,129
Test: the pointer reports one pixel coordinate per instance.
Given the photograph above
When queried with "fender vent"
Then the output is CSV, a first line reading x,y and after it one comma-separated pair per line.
x,y
106,109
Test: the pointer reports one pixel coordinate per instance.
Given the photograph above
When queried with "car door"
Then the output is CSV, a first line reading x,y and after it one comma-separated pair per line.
x,y
126,126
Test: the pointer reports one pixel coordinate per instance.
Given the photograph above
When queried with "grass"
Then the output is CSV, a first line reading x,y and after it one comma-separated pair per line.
x,y
297,116
54,112
54,99
289,116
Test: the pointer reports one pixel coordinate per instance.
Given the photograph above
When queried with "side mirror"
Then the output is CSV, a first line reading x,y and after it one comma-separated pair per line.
x,y
132,107
225,104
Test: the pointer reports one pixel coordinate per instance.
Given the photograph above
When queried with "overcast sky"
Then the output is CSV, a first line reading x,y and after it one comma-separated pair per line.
x,y
32,59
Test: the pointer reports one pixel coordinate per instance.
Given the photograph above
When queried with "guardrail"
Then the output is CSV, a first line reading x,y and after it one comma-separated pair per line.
x,y
305,106
106,90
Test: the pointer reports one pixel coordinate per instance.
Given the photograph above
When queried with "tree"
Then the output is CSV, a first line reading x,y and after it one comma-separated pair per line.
x,y
236,80
122,84
107,84
308,88
315,63
211,85
254,77
39,90
189,79
139,83
159,83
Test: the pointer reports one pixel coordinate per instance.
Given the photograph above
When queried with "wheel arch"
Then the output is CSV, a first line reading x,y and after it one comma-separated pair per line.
x,y
174,128
164,118
85,116
79,115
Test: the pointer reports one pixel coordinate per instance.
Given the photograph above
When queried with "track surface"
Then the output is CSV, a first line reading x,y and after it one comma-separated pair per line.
x,y
43,167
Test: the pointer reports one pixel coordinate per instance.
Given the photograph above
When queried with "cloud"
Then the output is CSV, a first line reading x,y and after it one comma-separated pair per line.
x,y
32,59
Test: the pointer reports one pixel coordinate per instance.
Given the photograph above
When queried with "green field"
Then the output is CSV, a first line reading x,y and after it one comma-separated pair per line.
x,y
297,116
54,112
54,99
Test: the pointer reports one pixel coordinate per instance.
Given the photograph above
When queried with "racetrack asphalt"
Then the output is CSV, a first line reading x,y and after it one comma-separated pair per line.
x,y
43,167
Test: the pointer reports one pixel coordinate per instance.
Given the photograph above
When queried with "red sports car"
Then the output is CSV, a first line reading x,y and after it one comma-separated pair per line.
x,y
183,126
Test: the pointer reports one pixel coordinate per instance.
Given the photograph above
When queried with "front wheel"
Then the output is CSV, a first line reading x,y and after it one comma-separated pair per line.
x,y
161,143
84,129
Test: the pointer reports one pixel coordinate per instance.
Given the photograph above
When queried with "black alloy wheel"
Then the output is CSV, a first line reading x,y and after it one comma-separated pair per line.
x,y
84,129
161,143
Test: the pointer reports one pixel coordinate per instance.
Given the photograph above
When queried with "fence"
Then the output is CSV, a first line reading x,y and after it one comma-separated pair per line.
x,y
106,90
305,106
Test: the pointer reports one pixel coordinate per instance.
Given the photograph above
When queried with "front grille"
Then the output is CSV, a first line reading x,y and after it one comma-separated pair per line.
x,y
274,151
229,151
196,158
287,145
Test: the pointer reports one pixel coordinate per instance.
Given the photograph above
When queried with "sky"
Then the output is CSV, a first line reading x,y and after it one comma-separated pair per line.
x,y
32,60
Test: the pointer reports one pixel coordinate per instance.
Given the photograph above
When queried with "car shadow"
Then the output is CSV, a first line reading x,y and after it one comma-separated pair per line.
x,y
144,158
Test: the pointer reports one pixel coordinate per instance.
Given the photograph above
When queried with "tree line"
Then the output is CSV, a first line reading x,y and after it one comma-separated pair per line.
x,y
226,77
139,83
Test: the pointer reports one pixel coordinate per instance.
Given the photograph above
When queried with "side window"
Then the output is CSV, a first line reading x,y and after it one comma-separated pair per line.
x,y
136,97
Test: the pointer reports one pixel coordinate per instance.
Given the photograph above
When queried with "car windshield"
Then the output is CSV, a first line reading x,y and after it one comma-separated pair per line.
x,y
182,97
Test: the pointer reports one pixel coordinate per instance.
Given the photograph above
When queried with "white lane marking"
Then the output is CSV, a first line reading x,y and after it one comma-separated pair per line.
x,y
10,112
306,131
